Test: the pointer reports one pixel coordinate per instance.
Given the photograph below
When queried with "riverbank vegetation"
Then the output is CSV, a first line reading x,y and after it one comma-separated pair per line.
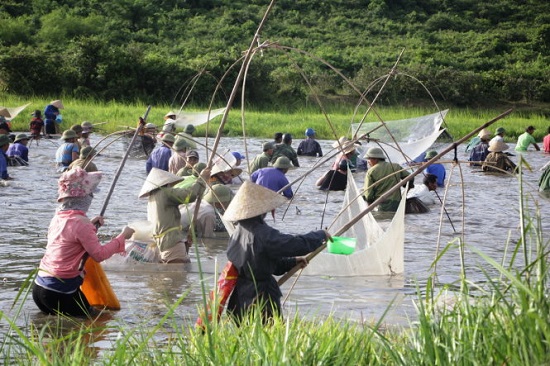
x,y
114,116
467,53
503,321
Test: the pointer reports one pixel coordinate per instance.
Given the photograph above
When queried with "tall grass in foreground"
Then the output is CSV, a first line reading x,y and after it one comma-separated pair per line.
x,y
507,322
115,116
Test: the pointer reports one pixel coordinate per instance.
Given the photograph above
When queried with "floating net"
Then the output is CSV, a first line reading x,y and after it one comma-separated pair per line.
x,y
413,135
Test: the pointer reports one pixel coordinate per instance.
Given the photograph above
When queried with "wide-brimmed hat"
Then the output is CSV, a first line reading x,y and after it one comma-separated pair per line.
x,y
149,126
170,114
282,162
87,151
198,168
219,193
268,146
341,141
77,182
224,163
179,144
484,134
157,178
252,200
88,125
4,140
375,153
430,154
497,146
76,128
192,144
57,104
21,136
189,129
349,147
168,137
500,130
68,134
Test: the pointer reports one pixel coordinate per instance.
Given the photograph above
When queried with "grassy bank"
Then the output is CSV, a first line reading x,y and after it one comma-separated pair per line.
x,y
264,124
504,320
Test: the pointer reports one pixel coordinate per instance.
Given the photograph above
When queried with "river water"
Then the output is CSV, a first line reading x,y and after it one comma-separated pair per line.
x,y
490,219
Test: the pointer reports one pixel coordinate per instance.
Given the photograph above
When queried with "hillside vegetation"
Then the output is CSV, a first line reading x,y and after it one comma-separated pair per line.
x,y
465,52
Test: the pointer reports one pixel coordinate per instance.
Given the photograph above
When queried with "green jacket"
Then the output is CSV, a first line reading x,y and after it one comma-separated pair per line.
x,y
163,211
376,174
285,150
259,162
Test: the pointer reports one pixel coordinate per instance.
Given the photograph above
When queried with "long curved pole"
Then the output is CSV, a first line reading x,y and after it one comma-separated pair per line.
x,y
410,177
119,170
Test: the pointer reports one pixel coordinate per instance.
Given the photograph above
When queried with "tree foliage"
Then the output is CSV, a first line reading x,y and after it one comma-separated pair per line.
x,y
465,52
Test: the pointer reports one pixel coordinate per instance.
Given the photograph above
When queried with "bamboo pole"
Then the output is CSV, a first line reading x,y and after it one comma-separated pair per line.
x,y
119,170
373,205
248,56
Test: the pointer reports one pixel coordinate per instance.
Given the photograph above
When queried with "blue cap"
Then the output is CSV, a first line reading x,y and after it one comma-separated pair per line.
x,y
238,155
310,132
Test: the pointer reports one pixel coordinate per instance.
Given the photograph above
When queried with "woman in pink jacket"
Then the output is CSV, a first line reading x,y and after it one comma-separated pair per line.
x,y
72,237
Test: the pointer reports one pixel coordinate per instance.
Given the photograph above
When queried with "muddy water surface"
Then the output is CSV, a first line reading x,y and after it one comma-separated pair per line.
x,y
146,292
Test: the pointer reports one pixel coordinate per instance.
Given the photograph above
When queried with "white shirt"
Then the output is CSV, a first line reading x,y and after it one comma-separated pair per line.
x,y
206,220
423,194
497,138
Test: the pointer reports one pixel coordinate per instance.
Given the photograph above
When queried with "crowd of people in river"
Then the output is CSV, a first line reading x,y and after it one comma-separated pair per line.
x,y
177,179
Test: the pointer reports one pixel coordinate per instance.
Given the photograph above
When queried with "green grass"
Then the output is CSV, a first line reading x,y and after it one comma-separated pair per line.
x,y
264,124
505,320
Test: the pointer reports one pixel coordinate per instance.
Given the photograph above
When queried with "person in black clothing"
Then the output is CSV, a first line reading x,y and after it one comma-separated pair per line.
x,y
277,138
309,146
335,179
259,251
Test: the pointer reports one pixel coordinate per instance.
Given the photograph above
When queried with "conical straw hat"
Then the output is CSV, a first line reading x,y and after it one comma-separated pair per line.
x,y
252,200
341,142
156,179
4,112
170,114
484,134
57,103
224,163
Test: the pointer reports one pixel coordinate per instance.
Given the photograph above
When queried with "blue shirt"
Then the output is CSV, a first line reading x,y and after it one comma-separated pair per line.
x,y
50,113
439,171
3,165
64,154
18,149
273,179
159,158
479,153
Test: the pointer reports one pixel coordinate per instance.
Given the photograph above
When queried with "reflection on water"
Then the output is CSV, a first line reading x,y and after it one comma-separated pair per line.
x,y
146,292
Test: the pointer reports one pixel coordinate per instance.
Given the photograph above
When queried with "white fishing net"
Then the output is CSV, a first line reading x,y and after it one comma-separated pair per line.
x,y
196,118
15,111
379,251
413,135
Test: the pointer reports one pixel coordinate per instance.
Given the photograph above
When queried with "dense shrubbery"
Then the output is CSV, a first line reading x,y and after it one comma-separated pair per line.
x,y
466,52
